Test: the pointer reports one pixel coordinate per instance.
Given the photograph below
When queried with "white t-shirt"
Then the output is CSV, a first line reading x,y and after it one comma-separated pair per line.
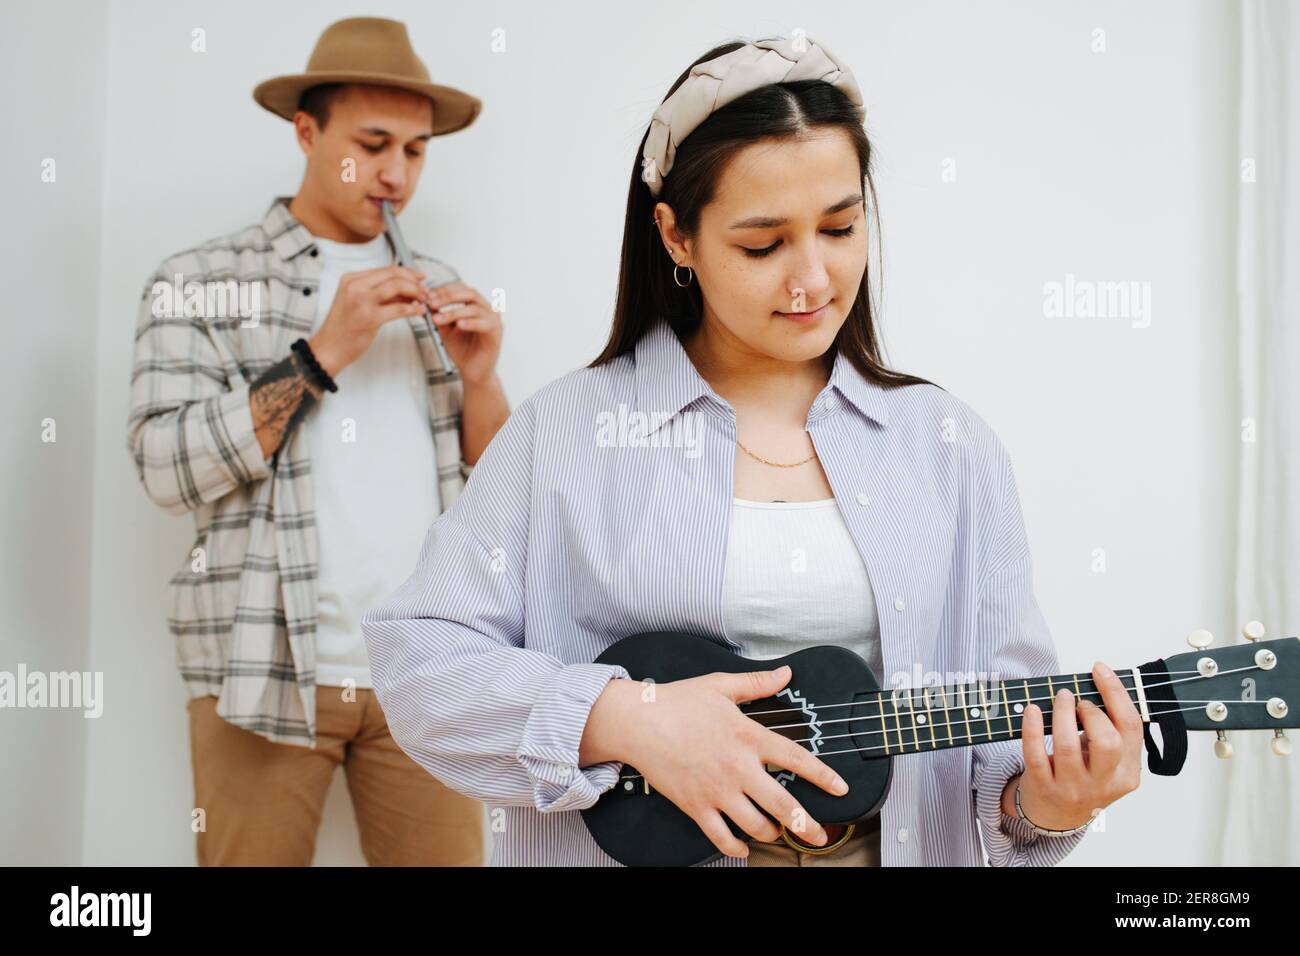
x,y
794,579
374,473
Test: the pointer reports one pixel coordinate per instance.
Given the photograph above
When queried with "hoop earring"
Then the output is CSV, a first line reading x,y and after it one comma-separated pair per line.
x,y
690,278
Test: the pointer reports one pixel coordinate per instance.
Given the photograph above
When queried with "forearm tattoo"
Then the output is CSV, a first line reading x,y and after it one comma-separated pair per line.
x,y
281,397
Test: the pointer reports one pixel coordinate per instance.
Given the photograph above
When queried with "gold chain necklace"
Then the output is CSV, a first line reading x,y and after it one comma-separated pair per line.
x,y
775,464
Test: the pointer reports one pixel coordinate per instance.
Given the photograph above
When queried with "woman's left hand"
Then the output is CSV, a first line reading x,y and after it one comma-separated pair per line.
x,y
1080,778
471,332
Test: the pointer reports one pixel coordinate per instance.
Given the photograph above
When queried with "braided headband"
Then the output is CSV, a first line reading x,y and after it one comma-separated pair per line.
x,y
715,83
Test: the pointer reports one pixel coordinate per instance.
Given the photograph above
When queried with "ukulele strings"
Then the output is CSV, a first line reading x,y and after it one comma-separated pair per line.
x,y
921,728
885,750
1030,683
988,734
900,716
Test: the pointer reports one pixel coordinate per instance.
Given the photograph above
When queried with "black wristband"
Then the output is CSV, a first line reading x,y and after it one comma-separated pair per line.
x,y
321,377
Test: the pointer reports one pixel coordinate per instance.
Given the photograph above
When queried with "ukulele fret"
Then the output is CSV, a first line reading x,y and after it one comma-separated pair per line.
x,y
984,706
965,713
1047,711
911,707
929,719
884,727
947,716
898,723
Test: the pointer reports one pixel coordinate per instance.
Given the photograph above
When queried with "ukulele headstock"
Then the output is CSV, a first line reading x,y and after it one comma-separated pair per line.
x,y
1243,687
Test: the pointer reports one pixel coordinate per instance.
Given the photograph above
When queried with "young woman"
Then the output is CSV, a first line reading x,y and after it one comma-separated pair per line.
x,y
738,463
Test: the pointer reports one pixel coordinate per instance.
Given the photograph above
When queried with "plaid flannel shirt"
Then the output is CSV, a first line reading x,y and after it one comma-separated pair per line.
x,y
244,600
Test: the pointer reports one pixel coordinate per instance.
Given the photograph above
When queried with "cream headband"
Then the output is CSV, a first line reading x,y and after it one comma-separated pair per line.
x,y
715,83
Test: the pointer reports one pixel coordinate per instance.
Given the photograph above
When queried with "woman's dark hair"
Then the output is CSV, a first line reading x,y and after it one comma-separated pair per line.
x,y
646,289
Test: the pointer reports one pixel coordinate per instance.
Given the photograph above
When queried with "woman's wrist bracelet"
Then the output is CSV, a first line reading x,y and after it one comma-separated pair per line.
x,y
1043,830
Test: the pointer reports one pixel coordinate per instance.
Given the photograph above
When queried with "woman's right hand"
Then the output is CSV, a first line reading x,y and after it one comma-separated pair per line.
x,y
693,744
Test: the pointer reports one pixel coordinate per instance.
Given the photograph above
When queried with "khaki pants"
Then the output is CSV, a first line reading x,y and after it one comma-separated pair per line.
x,y
262,801
861,849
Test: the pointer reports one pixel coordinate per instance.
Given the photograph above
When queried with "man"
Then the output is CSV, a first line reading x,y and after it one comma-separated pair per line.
x,y
314,441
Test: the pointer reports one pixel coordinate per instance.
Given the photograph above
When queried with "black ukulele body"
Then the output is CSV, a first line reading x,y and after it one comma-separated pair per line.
x,y
638,826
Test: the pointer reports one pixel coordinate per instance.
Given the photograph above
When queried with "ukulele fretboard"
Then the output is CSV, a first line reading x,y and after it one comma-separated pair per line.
x,y
911,720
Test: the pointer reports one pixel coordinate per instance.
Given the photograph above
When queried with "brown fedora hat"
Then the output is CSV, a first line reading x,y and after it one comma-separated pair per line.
x,y
369,50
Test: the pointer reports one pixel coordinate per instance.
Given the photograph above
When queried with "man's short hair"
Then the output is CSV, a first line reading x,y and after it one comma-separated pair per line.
x,y
316,100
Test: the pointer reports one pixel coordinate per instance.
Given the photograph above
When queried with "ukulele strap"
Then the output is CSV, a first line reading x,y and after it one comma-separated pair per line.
x,y
1155,688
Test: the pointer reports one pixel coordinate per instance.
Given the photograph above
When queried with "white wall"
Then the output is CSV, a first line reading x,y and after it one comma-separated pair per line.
x,y
1111,166
53,109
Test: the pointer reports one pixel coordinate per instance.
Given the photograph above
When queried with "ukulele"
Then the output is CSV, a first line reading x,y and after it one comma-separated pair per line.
x,y
833,707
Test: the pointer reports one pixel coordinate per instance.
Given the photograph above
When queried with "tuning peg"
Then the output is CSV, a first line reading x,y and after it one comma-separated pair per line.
x,y
1222,749
1281,743
1200,639
1253,631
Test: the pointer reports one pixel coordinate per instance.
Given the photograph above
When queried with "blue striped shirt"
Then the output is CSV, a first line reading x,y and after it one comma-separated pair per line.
x,y
601,509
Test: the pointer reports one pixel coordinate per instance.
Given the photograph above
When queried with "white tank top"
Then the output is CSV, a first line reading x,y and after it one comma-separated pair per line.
x,y
794,579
